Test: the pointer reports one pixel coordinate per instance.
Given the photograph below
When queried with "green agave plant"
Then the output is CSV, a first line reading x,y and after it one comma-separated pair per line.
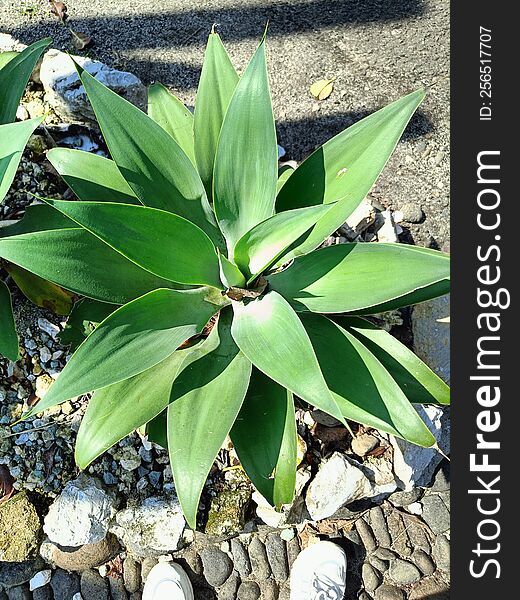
x,y
15,70
205,292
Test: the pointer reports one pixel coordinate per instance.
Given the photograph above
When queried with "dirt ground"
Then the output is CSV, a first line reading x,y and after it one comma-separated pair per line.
x,y
377,50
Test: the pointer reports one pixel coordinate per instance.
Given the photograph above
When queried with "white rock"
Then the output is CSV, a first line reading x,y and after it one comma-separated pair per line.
x,y
49,328
10,44
338,482
151,528
413,465
40,579
431,335
81,514
387,233
65,94
77,596
359,220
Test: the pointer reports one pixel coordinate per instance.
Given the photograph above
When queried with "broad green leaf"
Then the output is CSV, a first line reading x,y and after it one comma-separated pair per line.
x,y
264,436
150,160
420,384
6,57
206,399
361,386
78,261
118,409
284,173
37,217
171,114
157,429
13,138
91,177
423,294
246,171
14,76
271,335
230,274
217,84
8,336
344,169
261,246
133,338
85,316
355,277
156,240
41,292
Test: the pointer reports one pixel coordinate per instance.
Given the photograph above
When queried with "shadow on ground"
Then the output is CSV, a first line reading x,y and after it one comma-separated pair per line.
x,y
189,27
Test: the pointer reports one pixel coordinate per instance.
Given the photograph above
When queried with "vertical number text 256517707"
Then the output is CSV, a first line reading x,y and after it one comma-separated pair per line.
x,y
485,112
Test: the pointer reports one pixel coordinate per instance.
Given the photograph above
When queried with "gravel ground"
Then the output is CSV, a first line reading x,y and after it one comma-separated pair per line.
x,y
377,50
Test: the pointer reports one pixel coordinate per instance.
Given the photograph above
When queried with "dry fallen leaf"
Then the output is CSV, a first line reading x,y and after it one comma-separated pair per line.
x,y
59,10
80,40
322,89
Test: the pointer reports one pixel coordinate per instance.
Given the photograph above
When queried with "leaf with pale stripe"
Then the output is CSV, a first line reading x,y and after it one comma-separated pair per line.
x,y
156,240
271,335
366,393
216,86
134,338
212,386
91,177
264,437
359,277
246,172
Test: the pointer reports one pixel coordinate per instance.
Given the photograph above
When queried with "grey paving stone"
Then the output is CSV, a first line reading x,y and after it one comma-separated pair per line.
x,y
240,557
216,564
435,513
366,535
117,588
258,557
93,585
389,592
403,572
248,590
371,577
131,574
64,585
380,527
423,561
277,557
441,553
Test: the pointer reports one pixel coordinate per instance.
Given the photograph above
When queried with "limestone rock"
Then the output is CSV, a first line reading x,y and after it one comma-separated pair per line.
x,y
81,514
152,528
65,94
413,465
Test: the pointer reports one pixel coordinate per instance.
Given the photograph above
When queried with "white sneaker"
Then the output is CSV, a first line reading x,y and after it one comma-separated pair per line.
x,y
319,573
167,581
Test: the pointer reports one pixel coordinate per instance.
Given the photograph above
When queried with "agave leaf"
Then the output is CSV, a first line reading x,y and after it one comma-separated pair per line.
x,y
133,338
264,436
217,84
118,409
171,114
8,337
244,185
156,240
91,177
157,429
356,277
84,317
37,217
87,266
41,292
271,335
14,76
257,249
6,57
420,384
13,138
344,169
213,386
151,161
284,173
230,274
367,394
